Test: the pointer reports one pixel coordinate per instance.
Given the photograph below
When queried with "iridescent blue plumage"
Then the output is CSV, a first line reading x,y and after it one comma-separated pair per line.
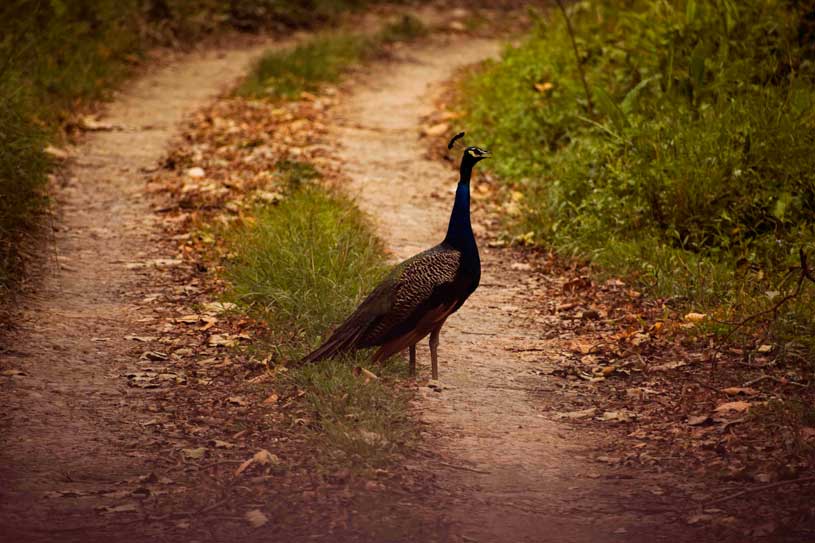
x,y
416,298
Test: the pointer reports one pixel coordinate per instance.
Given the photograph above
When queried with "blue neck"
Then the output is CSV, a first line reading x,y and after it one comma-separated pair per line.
x,y
460,230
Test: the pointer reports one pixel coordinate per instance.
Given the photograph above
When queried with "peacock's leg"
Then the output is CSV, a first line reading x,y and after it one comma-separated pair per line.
x,y
412,365
434,356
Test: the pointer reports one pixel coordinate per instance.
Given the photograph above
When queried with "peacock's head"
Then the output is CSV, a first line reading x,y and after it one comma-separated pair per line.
x,y
471,154
474,154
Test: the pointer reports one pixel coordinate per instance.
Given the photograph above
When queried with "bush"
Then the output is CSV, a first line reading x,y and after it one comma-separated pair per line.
x,y
695,163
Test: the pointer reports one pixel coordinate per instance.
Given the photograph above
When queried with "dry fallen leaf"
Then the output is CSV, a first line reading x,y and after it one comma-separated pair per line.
x,y
189,319
581,414
545,87
215,308
256,518
219,340
436,129
732,406
124,508
260,458
695,317
142,339
698,420
195,453
219,444
736,391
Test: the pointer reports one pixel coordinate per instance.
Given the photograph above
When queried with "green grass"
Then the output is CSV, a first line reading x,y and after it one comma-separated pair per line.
x,y
58,56
302,266
693,172
322,59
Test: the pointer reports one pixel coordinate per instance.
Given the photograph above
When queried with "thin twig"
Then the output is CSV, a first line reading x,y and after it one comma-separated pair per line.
x,y
464,468
219,463
577,57
761,488
771,378
806,273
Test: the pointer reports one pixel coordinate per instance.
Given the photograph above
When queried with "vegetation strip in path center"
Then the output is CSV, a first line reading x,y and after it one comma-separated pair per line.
x,y
324,59
294,254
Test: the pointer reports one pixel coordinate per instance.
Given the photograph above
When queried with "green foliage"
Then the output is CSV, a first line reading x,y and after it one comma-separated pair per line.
x,y
305,263
696,163
303,266
322,59
285,74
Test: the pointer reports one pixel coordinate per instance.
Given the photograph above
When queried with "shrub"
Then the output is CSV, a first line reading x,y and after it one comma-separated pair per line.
x,y
695,162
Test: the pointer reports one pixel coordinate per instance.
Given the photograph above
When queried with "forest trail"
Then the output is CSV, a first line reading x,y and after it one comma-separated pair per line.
x,y
71,421
510,473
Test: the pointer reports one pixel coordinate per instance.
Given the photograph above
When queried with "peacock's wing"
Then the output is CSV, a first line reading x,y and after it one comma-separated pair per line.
x,y
412,288
415,287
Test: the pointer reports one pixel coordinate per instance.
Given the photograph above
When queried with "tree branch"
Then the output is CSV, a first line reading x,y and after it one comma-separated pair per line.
x,y
577,56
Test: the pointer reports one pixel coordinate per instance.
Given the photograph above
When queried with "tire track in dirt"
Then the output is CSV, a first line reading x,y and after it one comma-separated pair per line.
x,y
71,421
509,473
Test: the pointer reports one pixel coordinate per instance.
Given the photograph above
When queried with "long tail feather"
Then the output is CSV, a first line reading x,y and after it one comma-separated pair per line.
x,y
342,340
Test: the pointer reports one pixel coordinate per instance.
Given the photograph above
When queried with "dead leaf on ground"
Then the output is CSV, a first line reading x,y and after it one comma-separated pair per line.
x,y
362,372
737,407
436,129
738,391
155,356
124,508
215,308
622,415
142,339
260,458
580,414
221,340
256,518
189,319
695,317
92,123
56,152
698,420
196,453
544,87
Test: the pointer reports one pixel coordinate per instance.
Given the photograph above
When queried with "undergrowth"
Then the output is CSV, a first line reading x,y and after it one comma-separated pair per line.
x,y
58,56
693,171
302,266
323,59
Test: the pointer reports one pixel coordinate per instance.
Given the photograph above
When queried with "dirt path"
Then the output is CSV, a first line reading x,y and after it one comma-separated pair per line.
x,y
80,446
71,421
510,474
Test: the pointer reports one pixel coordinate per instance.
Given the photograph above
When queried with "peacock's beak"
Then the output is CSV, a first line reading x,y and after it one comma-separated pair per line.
x,y
486,154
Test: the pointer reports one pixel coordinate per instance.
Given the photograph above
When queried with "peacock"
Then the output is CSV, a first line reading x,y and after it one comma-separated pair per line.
x,y
418,295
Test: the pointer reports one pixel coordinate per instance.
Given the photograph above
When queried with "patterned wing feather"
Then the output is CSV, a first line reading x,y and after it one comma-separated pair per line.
x,y
415,284
413,287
